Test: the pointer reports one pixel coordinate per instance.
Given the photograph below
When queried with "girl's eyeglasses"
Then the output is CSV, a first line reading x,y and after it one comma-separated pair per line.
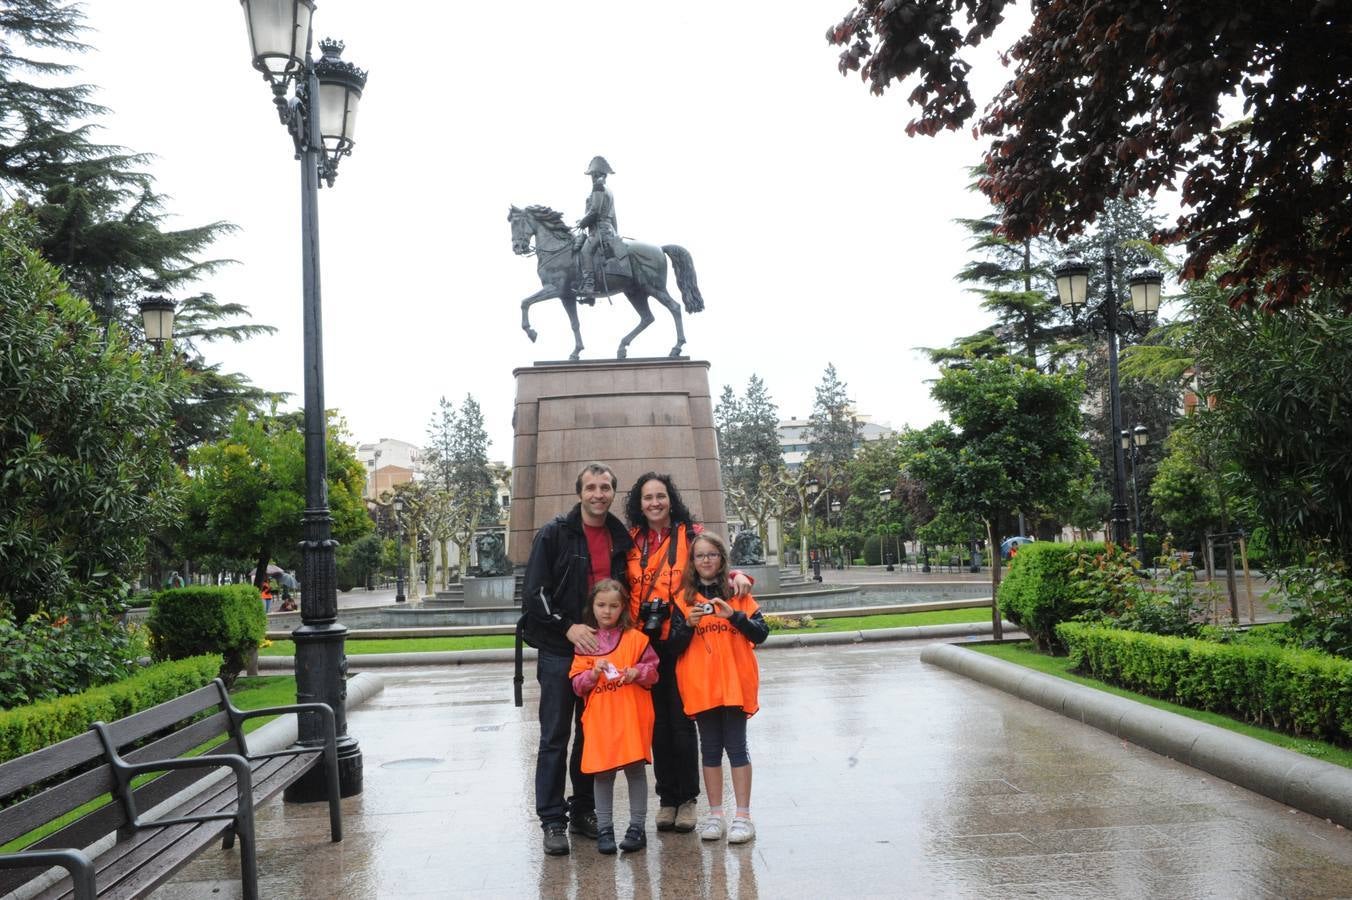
x,y
706,556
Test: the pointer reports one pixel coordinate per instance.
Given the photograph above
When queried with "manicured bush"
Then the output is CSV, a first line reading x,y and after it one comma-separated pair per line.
x,y
228,620
1301,692
1318,594
1041,589
28,728
47,656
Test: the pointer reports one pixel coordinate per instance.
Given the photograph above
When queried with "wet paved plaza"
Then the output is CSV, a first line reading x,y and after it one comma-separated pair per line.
x,y
875,776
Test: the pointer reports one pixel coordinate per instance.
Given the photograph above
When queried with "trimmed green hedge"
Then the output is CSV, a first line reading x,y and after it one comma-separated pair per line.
x,y
1301,692
226,619
28,728
1041,588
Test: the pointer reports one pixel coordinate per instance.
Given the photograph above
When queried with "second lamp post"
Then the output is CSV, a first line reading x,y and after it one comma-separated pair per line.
x,y
1072,286
1132,442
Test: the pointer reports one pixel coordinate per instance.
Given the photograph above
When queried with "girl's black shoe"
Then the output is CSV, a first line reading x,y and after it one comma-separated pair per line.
x,y
605,840
634,839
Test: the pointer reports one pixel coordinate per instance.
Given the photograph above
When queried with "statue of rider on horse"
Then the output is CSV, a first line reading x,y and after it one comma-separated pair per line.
x,y
596,262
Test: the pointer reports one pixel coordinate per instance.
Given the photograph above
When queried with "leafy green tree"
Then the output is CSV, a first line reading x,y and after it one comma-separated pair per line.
x,y
1012,442
457,457
247,491
877,467
99,218
1119,99
85,466
1276,387
749,454
1014,281
1185,490
833,432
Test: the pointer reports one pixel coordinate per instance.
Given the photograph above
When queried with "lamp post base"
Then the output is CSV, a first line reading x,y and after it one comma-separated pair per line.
x,y
312,787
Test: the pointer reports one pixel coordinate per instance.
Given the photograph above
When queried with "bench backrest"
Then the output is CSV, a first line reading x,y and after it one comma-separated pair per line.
x,y
75,773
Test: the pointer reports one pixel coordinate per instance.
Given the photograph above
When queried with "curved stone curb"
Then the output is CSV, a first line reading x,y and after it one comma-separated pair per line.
x,y
775,641
1310,785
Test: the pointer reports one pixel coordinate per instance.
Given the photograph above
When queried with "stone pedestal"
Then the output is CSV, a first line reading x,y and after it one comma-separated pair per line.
x,y
635,415
766,578
498,590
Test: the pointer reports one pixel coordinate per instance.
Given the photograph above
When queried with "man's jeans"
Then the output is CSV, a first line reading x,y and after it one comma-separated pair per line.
x,y
560,711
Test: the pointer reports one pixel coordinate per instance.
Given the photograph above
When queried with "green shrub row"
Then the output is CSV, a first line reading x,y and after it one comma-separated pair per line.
x,y
225,619
28,728
1042,588
1301,692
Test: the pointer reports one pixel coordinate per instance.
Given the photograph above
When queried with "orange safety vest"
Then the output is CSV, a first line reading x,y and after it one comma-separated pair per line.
x,y
653,578
617,722
719,667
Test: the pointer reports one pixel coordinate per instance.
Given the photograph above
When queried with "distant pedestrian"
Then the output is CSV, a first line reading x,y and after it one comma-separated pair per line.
x,y
715,633
266,592
617,721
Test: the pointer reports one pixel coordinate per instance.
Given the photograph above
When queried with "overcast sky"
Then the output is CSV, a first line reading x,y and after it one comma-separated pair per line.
x,y
819,231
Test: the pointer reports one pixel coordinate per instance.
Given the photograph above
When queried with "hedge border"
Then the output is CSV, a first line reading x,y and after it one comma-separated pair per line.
x,y
1299,692
24,729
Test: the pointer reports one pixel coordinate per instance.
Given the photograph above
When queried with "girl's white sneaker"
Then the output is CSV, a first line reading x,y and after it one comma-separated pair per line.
x,y
711,828
742,830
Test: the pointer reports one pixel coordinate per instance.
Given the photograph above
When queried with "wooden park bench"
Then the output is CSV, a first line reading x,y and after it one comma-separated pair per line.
x,y
196,804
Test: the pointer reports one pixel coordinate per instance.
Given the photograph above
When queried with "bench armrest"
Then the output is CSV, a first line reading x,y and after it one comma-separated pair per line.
x,y
123,772
73,861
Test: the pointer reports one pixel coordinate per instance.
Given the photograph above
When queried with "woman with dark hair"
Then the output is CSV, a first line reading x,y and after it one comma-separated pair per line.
x,y
662,530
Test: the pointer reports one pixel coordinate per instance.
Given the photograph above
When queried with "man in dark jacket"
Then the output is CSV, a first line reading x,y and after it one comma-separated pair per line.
x,y
570,554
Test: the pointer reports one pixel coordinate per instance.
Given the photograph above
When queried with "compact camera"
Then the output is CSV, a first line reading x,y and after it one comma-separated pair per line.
x,y
706,608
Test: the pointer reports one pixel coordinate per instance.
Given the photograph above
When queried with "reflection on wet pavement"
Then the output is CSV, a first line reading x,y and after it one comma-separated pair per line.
x,y
876,776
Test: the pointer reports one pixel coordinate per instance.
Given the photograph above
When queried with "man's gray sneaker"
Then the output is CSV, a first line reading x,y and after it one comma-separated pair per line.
x,y
556,839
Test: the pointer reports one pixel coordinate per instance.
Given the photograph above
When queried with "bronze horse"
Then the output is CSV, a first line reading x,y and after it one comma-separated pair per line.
x,y
644,275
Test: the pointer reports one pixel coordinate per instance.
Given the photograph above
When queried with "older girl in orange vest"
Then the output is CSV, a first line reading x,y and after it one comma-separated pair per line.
x,y
715,633
617,721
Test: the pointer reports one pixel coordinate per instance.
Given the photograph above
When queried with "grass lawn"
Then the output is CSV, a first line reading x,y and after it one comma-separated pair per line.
x,y
902,620
501,641
248,693
1023,654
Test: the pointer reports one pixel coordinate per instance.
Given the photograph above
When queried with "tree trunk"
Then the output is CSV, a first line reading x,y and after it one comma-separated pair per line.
x,y
992,540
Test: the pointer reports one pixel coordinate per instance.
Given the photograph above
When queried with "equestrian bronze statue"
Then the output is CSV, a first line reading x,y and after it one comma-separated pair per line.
x,y
614,266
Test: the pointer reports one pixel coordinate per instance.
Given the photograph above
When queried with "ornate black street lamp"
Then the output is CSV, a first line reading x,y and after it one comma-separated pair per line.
x,y
157,315
812,488
399,549
1132,442
320,117
885,495
1072,286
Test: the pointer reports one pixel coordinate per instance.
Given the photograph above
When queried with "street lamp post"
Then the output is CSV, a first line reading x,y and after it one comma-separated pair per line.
x,y
399,550
812,487
885,495
1132,442
1072,286
320,118
157,315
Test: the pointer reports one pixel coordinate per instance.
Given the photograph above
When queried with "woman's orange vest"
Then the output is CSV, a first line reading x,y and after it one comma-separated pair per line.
x,y
617,723
719,667
664,578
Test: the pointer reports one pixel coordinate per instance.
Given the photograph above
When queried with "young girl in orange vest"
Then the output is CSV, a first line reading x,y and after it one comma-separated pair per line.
x,y
715,633
617,721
